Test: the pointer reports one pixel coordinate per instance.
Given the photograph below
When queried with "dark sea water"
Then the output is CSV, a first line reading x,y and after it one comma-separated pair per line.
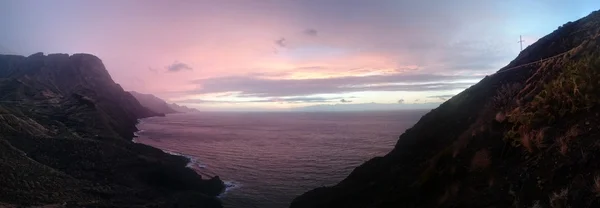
x,y
267,159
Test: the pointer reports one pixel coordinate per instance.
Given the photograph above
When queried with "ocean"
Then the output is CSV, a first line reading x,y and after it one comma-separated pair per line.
x,y
267,159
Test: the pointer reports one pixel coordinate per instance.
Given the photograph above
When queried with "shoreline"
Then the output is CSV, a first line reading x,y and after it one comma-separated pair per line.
x,y
193,162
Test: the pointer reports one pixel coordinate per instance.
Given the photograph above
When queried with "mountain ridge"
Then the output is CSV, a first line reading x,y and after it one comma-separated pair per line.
x,y
159,105
153,103
183,108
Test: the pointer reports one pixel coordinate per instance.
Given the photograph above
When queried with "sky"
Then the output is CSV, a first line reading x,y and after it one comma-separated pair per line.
x,y
282,54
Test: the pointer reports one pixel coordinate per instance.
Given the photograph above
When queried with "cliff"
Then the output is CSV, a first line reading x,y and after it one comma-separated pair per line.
x,y
153,103
65,140
159,105
526,136
183,109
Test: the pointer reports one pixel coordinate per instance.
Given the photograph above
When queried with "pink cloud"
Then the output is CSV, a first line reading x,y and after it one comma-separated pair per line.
x,y
238,38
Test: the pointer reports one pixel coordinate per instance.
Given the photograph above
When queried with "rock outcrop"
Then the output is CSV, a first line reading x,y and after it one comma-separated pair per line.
x,y
65,140
526,136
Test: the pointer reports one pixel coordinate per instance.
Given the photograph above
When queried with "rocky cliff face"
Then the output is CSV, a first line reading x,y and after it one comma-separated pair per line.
x,y
65,140
153,103
526,136
159,105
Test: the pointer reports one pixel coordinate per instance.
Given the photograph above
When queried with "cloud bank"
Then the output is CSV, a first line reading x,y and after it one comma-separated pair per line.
x,y
262,87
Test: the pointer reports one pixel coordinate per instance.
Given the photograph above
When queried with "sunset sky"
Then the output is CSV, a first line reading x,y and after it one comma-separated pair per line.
x,y
273,54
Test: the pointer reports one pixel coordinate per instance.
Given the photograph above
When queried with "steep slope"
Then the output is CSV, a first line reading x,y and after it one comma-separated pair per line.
x,y
65,140
153,103
526,136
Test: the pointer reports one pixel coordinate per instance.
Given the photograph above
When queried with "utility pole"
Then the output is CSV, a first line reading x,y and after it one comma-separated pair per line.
x,y
521,41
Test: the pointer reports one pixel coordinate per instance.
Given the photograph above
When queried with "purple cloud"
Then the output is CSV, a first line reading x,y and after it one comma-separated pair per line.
x,y
311,32
178,66
281,42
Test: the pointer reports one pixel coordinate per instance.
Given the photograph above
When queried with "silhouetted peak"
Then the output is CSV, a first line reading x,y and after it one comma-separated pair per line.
x,y
36,55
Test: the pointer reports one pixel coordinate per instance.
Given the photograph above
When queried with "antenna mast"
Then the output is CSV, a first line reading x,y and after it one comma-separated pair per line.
x,y
521,41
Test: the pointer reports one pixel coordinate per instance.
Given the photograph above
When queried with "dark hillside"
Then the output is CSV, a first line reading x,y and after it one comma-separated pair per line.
x,y
525,136
65,140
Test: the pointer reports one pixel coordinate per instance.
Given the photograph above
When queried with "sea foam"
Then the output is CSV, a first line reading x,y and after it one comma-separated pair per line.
x,y
197,166
193,163
229,186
